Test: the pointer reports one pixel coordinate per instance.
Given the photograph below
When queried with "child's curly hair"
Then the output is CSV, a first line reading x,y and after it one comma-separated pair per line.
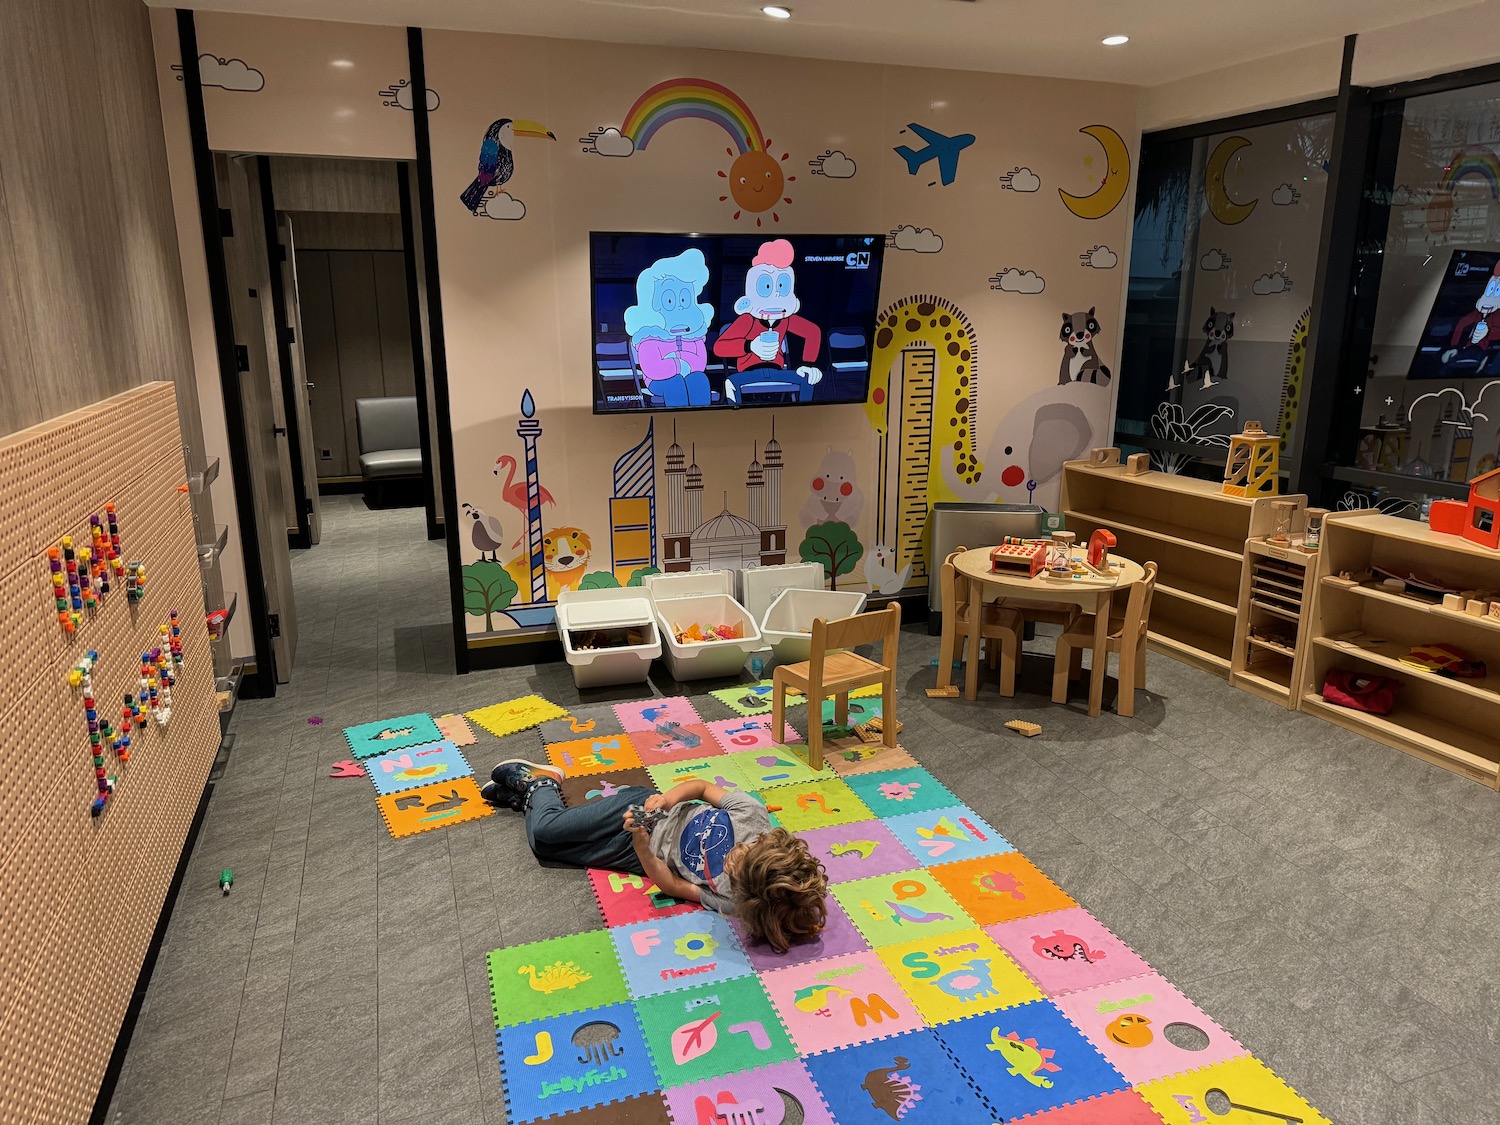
x,y
779,888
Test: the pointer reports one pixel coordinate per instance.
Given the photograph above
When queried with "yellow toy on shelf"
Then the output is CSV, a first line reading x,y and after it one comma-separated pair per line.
x,y
1253,463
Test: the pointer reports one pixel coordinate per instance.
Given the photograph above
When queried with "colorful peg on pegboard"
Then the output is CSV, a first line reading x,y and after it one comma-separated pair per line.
x,y
176,640
127,720
116,556
81,677
59,586
135,581
86,575
101,555
70,565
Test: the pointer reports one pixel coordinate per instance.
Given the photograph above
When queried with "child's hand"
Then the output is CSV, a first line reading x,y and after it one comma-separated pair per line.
x,y
657,801
632,827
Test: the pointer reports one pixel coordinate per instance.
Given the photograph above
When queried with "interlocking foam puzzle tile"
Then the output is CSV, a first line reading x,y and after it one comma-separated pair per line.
x,y
1239,1089
752,699
854,760
592,786
1067,950
838,937
1028,1058
842,1000
902,791
625,898
947,835
684,949
513,715
1123,1107
1147,1028
815,804
456,729
997,888
574,1061
593,719
369,739
439,805
398,770
858,851
768,1095
672,741
712,1030
646,1109
554,978
751,733
717,770
594,755
860,711
781,765
648,713
956,975
888,909
908,1078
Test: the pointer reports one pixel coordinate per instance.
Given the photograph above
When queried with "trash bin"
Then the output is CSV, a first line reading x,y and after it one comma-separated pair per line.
x,y
609,636
701,597
787,626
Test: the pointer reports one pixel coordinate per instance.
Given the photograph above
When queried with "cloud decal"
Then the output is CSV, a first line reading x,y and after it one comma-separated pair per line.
x,y
1099,258
1270,283
401,96
1215,260
1021,179
833,164
607,142
923,240
1013,280
501,205
1285,196
230,74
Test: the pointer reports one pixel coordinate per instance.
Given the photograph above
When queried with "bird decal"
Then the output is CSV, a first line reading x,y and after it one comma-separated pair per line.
x,y
515,492
496,161
487,535
881,573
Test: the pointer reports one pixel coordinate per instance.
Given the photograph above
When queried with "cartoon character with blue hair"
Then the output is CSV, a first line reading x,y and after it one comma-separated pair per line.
x,y
668,327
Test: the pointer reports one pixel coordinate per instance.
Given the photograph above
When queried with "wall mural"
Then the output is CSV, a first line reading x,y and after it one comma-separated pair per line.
x,y
235,75
1113,181
1220,205
1021,179
939,147
400,95
484,197
1471,160
834,164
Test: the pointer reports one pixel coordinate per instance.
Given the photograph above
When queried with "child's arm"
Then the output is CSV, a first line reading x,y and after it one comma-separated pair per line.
x,y
655,869
693,790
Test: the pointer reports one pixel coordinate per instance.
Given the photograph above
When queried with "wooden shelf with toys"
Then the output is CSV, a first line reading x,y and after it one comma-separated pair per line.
x,y
1378,609
1275,598
1191,529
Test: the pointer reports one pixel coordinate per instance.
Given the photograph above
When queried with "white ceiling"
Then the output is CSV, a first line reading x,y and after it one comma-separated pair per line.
x,y
1169,39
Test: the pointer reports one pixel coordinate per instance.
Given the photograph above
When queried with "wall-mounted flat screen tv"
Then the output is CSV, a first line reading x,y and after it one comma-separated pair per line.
x,y
1461,339
719,321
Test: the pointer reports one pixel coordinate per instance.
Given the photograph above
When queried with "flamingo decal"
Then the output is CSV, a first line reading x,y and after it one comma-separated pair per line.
x,y
514,490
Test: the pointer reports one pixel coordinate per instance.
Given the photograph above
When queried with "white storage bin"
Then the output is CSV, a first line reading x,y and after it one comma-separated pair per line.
x,y
787,625
762,585
704,597
629,608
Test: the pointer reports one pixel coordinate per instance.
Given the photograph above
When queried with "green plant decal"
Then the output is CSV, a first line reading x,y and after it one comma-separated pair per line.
x,y
599,580
637,575
487,590
833,544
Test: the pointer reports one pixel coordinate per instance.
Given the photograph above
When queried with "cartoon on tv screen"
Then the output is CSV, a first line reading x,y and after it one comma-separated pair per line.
x,y
686,322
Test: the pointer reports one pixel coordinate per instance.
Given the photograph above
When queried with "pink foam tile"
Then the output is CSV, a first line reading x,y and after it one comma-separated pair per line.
x,y
839,1002
625,899
838,937
783,1094
648,713
1123,1107
752,733
1066,950
859,850
1147,1028
673,742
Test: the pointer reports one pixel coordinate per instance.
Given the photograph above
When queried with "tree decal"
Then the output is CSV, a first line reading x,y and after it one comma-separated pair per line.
x,y
835,546
487,590
637,575
599,580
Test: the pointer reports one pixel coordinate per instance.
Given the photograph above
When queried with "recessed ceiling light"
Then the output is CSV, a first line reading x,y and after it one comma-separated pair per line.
x,y
1115,40
341,64
777,12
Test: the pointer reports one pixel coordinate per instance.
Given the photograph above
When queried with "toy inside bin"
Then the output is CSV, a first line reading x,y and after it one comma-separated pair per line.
x,y
701,603
609,636
788,623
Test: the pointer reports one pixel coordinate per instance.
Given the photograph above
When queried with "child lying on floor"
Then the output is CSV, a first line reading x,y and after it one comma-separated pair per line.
x,y
712,847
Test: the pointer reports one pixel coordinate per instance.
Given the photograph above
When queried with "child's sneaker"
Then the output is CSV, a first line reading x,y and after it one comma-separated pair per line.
x,y
514,779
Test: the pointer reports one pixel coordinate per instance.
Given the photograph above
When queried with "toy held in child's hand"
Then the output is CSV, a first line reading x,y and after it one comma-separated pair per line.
x,y
647,818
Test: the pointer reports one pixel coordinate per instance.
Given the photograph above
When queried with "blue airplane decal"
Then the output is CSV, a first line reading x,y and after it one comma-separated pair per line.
x,y
943,148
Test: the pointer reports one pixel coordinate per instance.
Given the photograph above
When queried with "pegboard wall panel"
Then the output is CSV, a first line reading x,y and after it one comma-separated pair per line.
x,y
80,894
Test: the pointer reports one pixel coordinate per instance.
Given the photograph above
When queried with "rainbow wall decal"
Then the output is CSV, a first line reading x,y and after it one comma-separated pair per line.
x,y
1474,161
693,99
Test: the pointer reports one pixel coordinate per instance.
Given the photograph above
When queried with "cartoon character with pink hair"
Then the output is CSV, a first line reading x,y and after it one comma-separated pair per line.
x,y
762,339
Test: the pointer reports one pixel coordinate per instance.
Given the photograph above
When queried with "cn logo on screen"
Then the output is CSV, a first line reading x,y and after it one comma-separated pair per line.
x,y
857,260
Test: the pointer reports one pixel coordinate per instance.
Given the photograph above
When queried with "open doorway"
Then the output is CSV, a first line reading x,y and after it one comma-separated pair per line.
x,y
327,299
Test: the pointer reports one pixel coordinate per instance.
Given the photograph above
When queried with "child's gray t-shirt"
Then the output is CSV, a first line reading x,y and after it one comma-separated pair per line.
x,y
695,837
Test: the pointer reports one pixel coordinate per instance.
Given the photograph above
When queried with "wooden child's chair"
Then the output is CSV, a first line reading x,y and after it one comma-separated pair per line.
x,y
832,670
1127,636
1000,626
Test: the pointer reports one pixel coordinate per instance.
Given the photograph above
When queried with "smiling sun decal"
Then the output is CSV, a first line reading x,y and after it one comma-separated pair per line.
x,y
756,180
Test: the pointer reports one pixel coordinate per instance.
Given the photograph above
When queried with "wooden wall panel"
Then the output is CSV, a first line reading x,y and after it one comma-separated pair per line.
x,y
302,183
352,275
395,323
345,230
79,895
320,347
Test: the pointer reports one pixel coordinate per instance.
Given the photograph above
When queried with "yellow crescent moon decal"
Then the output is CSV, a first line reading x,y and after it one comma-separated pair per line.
x,y
1116,178
1226,210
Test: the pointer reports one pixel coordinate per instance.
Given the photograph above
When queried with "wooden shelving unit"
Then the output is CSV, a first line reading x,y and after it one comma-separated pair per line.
x,y
1450,722
1194,533
1270,639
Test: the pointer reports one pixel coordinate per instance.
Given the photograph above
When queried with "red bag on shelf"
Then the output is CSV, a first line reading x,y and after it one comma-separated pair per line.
x,y
1360,692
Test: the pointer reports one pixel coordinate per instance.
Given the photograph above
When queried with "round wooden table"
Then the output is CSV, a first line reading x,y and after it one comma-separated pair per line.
x,y
1015,586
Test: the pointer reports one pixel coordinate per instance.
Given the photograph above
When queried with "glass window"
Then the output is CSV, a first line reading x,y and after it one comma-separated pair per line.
x,y
1222,265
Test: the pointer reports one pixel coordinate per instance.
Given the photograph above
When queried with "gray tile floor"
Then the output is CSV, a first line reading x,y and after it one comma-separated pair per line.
x,y
1334,904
